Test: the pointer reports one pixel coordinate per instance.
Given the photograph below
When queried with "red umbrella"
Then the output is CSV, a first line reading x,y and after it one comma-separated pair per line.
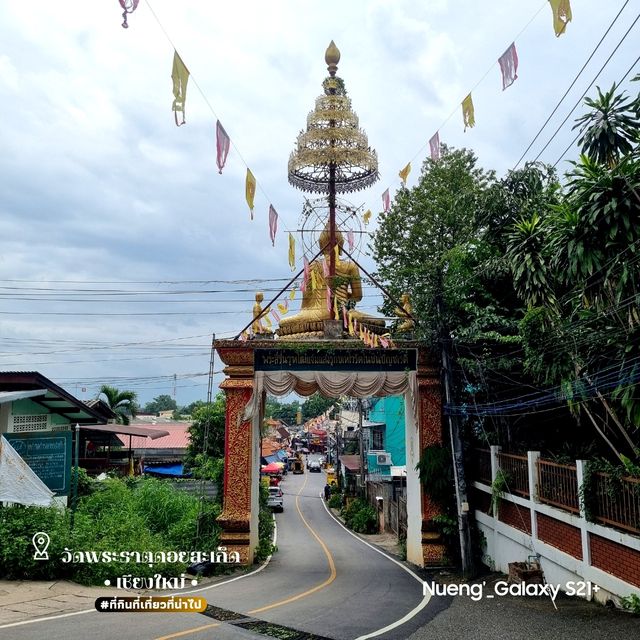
x,y
272,467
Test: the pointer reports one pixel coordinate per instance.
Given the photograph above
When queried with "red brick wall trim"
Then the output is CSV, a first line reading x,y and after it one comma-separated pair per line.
x,y
615,558
515,516
560,535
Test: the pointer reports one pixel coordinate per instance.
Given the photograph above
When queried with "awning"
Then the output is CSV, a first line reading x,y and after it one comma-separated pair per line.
x,y
167,470
271,468
127,430
350,462
270,459
282,454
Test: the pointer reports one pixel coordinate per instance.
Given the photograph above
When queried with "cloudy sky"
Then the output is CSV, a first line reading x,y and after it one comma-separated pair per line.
x,y
123,249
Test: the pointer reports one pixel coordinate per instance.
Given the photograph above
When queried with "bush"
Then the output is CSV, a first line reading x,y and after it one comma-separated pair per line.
x,y
335,501
361,517
119,515
265,527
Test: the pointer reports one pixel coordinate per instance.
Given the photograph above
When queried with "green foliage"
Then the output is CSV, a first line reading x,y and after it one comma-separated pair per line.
x,y
265,527
147,515
316,405
208,422
161,403
335,501
122,403
631,603
86,484
499,486
360,516
436,474
287,412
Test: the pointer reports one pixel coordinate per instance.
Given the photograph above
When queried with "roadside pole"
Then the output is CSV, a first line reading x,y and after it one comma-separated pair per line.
x,y
361,439
74,483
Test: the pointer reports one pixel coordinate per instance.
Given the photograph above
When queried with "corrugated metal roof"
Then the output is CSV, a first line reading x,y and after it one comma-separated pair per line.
x,y
128,430
10,396
177,437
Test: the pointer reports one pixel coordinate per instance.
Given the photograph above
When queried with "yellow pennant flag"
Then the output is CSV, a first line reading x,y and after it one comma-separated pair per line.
x,y
180,77
351,331
314,280
292,252
468,115
336,313
561,15
283,307
250,190
404,173
336,250
292,295
367,216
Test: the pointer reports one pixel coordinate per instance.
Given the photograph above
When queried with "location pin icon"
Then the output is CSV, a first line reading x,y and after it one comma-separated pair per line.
x,y
41,541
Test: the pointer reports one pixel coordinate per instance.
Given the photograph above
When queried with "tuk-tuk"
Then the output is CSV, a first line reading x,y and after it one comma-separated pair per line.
x,y
297,466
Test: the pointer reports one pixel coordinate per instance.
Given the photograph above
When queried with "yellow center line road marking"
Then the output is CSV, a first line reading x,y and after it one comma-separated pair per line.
x,y
332,566
188,631
280,603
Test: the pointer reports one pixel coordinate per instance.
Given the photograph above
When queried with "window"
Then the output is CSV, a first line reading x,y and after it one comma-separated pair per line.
x,y
377,439
22,424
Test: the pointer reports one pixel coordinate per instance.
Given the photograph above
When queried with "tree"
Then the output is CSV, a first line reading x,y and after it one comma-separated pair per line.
x,y
316,405
287,412
208,422
161,403
122,403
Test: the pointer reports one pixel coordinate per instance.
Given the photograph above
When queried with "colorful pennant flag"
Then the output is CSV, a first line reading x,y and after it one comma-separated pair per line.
x,y
292,252
345,320
267,321
180,77
222,146
329,309
404,174
468,114
386,201
384,342
336,311
336,252
129,6
434,146
326,270
561,15
314,280
367,215
275,315
283,307
351,241
305,274
508,62
292,294
273,224
250,190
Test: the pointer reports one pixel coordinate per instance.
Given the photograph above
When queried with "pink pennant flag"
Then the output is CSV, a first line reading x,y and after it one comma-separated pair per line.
x,y
386,201
275,315
273,224
345,321
222,145
384,342
129,6
329,309
351,240
305,275
434,146
355,325
325,268
508,62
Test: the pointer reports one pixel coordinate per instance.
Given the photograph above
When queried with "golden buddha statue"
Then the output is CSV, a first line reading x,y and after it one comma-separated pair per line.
x,y
257,327
309,322
405,311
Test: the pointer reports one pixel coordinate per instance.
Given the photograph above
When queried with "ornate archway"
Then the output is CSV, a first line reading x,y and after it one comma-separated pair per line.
x,y
257,366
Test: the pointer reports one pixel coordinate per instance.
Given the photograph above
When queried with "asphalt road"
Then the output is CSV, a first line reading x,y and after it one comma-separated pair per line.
x,y
323,581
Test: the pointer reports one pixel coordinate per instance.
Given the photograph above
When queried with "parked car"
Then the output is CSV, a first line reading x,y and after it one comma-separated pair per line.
x,y
314,466
275,499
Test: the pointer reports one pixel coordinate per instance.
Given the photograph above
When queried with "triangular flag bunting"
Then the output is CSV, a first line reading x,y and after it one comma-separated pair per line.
x,y
250,190
222,146
508,62
180,77
468,114
386,201
434,146
283,307
292,252
404,174
292,294
367,216
351,241
275,315
273,224
561,15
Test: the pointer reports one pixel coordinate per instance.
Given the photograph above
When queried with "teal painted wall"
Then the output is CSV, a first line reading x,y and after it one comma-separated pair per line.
x,y
390,410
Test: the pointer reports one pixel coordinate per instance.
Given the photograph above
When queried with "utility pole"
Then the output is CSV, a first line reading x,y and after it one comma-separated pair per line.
x,y
462,502
361,439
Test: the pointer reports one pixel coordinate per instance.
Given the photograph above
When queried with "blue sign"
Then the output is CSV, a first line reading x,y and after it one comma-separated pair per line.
x,y
48,453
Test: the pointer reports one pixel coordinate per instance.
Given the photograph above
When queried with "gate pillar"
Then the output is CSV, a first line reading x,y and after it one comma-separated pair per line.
x,y
429,433
239,517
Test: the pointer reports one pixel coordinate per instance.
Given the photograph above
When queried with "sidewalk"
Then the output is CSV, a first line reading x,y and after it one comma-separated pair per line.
x,y
527,618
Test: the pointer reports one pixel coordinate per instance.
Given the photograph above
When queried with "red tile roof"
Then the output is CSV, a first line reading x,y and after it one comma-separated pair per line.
x,y
351,462
178,437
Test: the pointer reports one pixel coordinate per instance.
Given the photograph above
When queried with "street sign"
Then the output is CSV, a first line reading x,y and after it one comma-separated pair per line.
x,y
48,453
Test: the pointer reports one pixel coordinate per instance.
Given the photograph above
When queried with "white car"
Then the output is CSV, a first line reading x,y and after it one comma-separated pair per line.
x,y
275,499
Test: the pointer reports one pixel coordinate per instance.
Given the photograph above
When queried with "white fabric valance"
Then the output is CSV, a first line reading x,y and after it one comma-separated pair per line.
x,y
332,384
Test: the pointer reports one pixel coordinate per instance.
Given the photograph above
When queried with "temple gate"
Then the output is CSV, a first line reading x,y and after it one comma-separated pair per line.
x,y
246,385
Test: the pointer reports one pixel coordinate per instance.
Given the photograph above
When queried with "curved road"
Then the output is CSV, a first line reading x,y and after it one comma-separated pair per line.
x,y
323,581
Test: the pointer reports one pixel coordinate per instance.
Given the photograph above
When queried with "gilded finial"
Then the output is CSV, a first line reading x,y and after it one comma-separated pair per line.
x,y
332,57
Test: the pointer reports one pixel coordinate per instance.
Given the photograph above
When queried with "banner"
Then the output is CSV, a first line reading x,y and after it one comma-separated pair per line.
x,y
561,15
351,241
222,146
180,77
468,114
250,190
292,252
508,62
434,146
404,174
273,224
386,201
